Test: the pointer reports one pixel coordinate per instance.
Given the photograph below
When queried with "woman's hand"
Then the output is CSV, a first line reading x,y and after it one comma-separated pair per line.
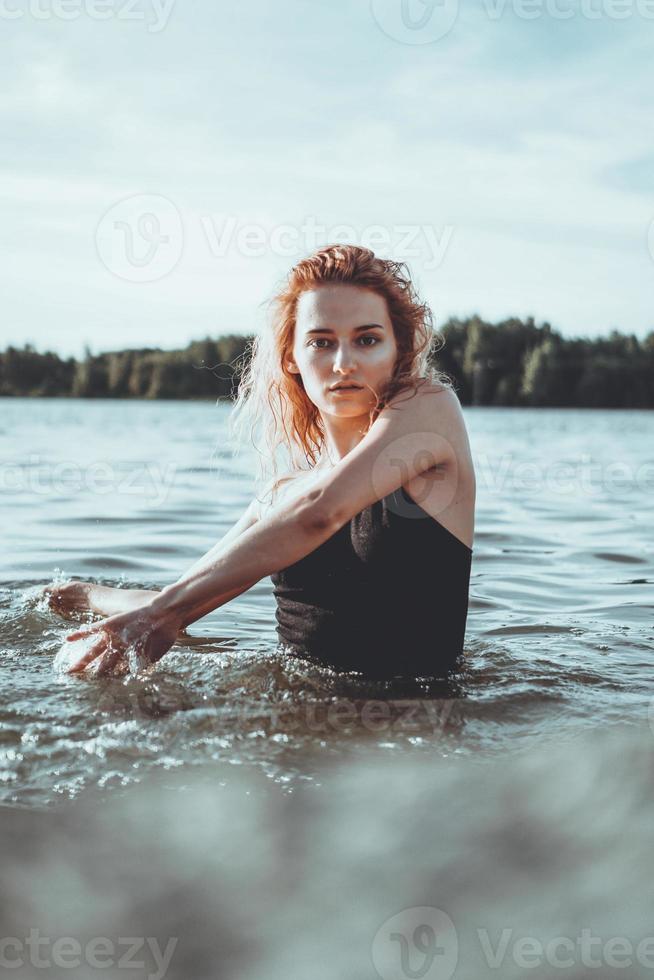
x,y
150,634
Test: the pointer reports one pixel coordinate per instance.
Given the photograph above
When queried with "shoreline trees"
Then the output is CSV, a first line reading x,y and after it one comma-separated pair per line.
x,y
512,363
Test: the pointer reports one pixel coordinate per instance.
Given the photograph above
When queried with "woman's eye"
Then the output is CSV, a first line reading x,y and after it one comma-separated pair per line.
x,y
321,343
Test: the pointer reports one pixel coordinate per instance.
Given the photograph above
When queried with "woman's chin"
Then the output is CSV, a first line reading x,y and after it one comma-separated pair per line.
x,y
354,409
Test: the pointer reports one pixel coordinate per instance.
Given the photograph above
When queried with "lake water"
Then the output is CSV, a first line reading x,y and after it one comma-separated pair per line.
x,y
503,802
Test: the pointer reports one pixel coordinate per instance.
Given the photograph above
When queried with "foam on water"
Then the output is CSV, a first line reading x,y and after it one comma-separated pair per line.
x,y
70,652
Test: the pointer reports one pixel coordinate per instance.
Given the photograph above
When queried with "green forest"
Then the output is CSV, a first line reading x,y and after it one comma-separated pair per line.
x,y
511,363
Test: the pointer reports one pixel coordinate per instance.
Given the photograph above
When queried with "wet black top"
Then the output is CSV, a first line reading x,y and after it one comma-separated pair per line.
x,y
386,595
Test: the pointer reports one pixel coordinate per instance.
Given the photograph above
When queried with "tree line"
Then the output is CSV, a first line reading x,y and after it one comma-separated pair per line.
x,y
512,363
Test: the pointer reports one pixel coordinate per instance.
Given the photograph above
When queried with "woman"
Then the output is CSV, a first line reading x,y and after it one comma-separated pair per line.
x,y
367,533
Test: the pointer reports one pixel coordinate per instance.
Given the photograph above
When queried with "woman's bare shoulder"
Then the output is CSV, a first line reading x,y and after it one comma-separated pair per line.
x,y
421,388
428,399
436,408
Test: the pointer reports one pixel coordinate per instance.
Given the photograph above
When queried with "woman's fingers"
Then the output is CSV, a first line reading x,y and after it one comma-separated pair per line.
x,y
88,631
84,661
118,633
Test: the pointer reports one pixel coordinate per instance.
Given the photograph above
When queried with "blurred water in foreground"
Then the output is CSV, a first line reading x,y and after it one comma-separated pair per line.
x,y
282,821
533,864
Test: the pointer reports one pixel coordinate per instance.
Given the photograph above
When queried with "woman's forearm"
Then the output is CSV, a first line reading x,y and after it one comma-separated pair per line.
x,y
198,610
207,560
110,601
287,534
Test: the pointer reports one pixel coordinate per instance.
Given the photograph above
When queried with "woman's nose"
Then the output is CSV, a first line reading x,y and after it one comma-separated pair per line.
x,y
344,359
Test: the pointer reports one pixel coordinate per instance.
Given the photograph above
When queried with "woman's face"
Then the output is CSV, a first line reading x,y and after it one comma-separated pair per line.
x,y
343,336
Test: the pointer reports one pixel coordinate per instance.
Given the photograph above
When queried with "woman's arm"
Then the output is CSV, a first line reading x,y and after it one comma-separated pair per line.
x,y
409,436
68,597
133,622
246,520
287,533
253,514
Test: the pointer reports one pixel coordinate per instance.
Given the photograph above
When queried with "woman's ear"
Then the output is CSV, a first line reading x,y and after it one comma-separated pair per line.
x,y
292,367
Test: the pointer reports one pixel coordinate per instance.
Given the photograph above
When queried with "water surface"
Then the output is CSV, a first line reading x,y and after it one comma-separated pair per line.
x,y
560,631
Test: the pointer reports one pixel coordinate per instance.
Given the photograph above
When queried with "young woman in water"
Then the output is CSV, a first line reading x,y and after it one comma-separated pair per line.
x,y
367,532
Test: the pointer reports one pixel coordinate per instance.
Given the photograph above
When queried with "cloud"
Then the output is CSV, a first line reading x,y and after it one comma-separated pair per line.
x,y
510,131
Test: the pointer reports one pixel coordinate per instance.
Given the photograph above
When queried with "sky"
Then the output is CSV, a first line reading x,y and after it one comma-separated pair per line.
x,y
164,163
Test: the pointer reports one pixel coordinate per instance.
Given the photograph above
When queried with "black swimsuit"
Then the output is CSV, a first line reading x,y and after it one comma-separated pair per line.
x,y
386,595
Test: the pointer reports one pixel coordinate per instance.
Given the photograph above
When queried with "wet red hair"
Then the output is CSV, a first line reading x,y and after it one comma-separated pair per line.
x,y
273,399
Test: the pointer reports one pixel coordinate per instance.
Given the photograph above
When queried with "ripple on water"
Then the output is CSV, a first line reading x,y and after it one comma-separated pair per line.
x,y
544,628
553,644
617,557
